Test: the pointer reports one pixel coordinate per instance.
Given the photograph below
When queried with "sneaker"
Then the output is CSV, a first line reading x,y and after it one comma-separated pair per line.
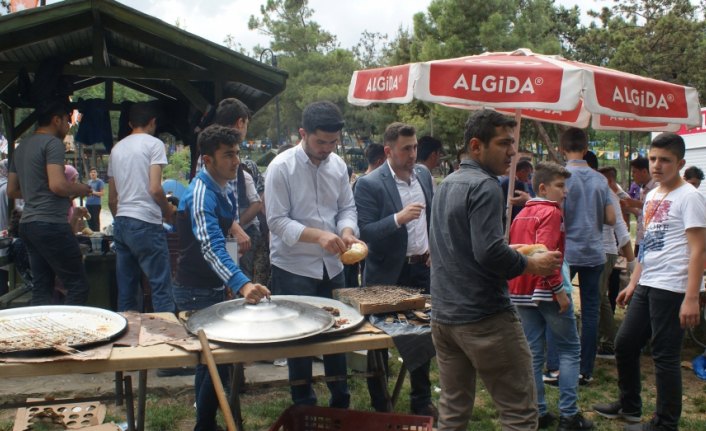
x,y
546,420
614,410
574,423
606,353
280,362
647,426
551,378
585,380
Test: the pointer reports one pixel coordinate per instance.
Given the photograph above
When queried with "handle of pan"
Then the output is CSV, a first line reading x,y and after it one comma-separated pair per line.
x,y
217,383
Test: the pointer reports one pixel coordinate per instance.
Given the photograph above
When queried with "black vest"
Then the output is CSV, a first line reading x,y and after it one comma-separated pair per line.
x,y
192,268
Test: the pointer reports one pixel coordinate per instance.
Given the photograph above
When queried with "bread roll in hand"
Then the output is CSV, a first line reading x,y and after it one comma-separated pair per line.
x,y
530,249
355,254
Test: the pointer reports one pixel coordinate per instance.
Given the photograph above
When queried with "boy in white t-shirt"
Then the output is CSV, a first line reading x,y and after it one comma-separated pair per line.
x,y
663,291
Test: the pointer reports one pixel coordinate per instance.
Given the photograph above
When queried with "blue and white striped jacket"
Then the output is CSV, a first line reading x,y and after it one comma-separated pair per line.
x,y
204,217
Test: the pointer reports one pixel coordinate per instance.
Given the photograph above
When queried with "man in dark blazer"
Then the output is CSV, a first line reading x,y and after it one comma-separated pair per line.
x,y
394,208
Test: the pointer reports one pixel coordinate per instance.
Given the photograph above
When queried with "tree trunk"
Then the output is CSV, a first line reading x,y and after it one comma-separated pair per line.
x,y
556,157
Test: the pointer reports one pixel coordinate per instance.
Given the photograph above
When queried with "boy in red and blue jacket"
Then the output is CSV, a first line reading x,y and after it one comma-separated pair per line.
x,y
542,302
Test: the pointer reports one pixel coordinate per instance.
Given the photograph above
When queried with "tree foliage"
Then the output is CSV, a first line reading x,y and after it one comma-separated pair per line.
x,y
179,165
663,39
317,68
289,25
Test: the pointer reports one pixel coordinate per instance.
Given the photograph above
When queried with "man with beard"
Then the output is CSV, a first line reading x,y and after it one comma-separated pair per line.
x,y
37,176
312,219
394,209
475,327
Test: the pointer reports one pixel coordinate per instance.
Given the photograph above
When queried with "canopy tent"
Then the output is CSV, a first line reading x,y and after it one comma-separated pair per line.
x,y
541,87
77,44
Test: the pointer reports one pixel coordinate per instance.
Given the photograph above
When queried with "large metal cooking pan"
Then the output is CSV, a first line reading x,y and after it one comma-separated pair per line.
x,y
272,321
53,326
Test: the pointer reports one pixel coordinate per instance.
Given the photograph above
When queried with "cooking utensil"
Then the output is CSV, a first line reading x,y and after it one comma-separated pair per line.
x,y
279,320
57,327
346,312
216,379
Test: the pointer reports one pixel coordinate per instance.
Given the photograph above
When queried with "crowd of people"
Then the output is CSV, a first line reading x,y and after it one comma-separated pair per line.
x,y
501,310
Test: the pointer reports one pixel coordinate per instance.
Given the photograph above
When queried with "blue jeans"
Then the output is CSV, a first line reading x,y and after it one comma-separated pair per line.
x,y
285,283
53,251
652,313
589,289
536,321
142,247
189,299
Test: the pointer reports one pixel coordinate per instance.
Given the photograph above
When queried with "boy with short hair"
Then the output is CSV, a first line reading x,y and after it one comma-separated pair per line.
x,y
587,208
205,269
663,291
542,301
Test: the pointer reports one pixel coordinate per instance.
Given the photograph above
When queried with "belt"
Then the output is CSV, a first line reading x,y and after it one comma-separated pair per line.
x,y
416,259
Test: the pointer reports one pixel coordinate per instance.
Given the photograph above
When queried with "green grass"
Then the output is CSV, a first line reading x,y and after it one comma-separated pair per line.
x,y
163,414
262,408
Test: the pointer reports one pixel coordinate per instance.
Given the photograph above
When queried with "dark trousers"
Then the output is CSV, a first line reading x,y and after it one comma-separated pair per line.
x,y
614,287
417,276
95,222
189,298
420,395
53,251
653,315
286,283
589,290
351,274
4,281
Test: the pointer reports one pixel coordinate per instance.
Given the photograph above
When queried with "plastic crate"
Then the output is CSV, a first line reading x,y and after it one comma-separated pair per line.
x,y
312,418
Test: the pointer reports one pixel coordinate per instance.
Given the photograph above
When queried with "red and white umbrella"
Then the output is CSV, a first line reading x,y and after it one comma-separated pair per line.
x,y
534,86
542,87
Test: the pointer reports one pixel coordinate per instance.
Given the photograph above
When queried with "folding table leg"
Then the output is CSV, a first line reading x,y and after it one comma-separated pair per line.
x,y
398,384
141,398
129,406
119,394
237,384
379,362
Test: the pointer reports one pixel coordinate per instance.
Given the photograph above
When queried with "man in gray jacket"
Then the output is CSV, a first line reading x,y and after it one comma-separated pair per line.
x,y
394,207
474,326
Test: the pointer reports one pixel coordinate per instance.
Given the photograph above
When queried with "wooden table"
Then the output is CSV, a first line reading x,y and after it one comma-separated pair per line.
x,y
140,358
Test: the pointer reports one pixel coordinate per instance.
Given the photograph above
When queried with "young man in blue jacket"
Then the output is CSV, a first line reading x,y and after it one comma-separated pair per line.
x,y
206,272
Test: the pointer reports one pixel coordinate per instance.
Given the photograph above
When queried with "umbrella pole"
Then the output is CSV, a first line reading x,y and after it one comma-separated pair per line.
x,y
511,174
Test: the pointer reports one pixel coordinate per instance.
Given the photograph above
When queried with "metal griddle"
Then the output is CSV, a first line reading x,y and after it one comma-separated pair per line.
x,y
56,327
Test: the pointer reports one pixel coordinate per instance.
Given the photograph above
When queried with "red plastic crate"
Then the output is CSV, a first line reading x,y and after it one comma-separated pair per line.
x,y
311,418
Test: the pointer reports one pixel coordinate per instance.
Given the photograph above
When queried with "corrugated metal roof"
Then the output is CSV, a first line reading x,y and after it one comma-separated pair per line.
x,y
107,40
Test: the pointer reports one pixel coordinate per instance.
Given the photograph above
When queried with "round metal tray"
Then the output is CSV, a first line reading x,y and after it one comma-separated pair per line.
x,y
349,313
272,321
46,326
